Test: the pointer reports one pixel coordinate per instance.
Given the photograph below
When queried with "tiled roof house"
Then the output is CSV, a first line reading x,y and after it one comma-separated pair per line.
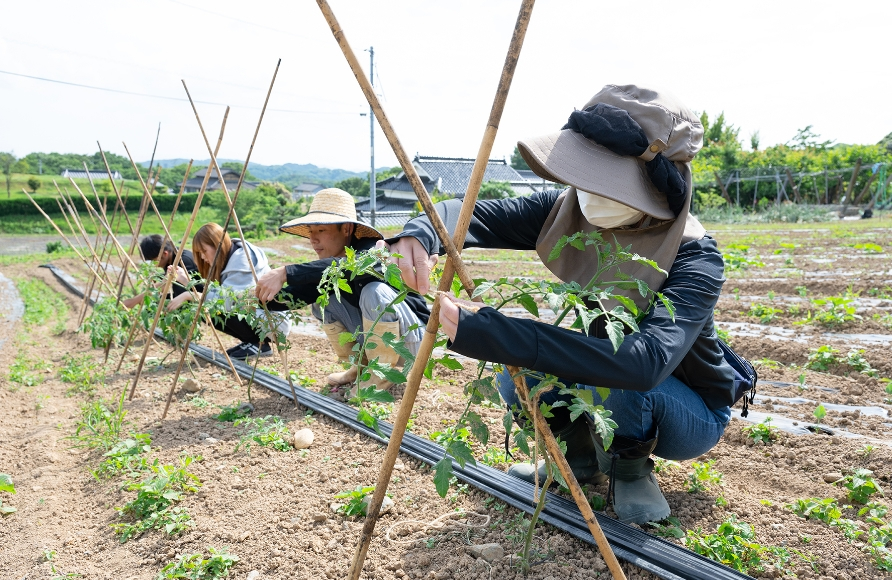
x,y
230,177
447,176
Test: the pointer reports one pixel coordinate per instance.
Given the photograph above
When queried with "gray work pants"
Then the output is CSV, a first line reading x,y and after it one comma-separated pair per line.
x,y
374,298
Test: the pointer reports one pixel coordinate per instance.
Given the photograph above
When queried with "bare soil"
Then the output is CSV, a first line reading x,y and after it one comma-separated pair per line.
x,y
273,509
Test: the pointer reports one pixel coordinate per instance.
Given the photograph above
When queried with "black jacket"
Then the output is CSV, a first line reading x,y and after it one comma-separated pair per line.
x,y
687,348
302,281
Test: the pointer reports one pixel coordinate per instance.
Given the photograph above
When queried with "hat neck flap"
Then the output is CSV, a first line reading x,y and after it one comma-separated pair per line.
x,y
657,242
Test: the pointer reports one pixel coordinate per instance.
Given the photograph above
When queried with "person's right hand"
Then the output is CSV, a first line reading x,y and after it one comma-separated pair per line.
x,y
415,265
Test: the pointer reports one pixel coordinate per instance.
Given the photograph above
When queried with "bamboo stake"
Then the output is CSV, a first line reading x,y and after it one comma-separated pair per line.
x,y
176,263
178,259
557,456
453,263
230,215
406,163
64,237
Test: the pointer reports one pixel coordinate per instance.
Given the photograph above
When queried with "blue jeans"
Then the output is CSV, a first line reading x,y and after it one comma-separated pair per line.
x,y
686,427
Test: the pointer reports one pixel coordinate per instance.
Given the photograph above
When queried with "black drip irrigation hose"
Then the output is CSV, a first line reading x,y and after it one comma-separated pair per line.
x,y
660,557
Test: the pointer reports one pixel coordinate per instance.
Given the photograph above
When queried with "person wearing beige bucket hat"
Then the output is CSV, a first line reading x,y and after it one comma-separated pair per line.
x,y
626,159
331,226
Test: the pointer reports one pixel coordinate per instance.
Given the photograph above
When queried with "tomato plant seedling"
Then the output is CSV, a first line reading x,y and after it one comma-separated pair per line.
x,y
198,567
354,505
762,432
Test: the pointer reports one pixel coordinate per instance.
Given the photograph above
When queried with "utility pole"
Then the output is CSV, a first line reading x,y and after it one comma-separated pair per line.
x,y
372,191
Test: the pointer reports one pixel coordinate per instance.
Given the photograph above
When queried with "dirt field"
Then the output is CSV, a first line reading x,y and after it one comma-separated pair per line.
x,y
273,509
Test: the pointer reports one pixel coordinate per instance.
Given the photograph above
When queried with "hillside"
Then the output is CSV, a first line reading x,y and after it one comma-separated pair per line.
x,y
290,174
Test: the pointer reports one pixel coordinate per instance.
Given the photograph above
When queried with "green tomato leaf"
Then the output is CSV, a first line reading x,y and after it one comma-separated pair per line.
x,y
668,304
479,429
615,334
529,304
442,475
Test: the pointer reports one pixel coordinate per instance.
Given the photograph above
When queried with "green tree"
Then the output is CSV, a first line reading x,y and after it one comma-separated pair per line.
x,y
495,190
517,161
236,166
33,184
355,186
7,160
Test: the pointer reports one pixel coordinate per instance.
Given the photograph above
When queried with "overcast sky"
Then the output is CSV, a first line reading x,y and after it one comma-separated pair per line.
x,y
772,66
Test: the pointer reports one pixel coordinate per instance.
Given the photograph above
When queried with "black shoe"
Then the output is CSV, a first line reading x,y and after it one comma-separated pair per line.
x,y
247,350
236,348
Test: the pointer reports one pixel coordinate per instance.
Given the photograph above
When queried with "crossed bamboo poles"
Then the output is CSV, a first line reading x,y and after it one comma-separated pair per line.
x,y
453,265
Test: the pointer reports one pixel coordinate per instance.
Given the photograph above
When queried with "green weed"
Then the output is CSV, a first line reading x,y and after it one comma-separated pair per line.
x,y
861,485
82,372
197,567
232,413
354,506
154,507
855,359
99,425
822,358
8,486
125,458
734,545
736,258
661,465
825,510
21,370
495,456
42,303
668,528
761,432
765,313
265,431
702,477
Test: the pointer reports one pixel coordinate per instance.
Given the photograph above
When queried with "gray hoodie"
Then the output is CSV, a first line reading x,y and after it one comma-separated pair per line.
x,y
237,275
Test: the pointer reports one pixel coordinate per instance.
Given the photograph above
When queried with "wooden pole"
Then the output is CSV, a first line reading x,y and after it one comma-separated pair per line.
x,y
406,163
793,185
453,262
867,185
230,215
554,451
851,186
722,185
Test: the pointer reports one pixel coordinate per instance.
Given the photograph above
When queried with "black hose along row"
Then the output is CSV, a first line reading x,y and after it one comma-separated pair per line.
x,y
660,557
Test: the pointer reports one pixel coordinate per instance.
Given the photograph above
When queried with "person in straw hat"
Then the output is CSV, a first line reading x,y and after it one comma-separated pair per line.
x,y
331,226
626,157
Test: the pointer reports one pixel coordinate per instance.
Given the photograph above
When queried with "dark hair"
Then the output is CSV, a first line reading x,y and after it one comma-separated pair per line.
x,y
151,246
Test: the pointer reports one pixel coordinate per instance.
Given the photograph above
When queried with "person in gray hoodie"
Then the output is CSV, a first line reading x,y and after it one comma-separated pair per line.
x,y
232,270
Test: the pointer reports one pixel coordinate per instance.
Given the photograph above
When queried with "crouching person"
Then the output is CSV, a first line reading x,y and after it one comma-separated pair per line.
x,y
331,226
150,247
626,157
232,271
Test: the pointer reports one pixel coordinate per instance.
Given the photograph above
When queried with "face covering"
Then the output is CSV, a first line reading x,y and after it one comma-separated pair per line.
x,y
606,213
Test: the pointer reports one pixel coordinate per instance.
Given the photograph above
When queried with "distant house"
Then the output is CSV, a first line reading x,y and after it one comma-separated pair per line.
x,y
81,174
535,181
446,175
230,177
306,190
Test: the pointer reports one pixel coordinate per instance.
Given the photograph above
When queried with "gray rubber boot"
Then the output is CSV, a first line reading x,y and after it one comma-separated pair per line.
x,y
636,495
580,455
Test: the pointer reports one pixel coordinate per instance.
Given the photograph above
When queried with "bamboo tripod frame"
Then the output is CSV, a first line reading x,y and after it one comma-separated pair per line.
x,y
453,264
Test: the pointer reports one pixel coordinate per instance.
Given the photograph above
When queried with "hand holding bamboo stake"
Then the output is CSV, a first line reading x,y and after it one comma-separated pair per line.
x,y
230,216
453,263
554,451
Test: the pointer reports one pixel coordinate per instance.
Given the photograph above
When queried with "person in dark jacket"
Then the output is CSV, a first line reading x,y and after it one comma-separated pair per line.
x,y
626,157
331,227
151,249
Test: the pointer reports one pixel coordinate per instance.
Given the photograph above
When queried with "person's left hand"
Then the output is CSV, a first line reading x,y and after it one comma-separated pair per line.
x,y
178,301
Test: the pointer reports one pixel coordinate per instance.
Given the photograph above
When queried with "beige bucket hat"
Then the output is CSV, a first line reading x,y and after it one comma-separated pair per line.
x,y
330,206
570,158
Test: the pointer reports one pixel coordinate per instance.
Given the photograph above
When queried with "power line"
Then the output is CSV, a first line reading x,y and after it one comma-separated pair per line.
x,y
166,98
129,64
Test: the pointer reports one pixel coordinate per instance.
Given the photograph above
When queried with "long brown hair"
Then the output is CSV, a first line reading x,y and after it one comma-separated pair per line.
x,y
211,234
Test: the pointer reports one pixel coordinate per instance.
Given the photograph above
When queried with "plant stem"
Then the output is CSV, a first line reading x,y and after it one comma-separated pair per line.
x,y
528,540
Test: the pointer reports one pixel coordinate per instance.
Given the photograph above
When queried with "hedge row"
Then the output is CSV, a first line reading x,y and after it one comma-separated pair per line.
x,y
23,206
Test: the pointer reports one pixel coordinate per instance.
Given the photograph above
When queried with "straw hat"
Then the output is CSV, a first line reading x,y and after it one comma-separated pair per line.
x,y
330,206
